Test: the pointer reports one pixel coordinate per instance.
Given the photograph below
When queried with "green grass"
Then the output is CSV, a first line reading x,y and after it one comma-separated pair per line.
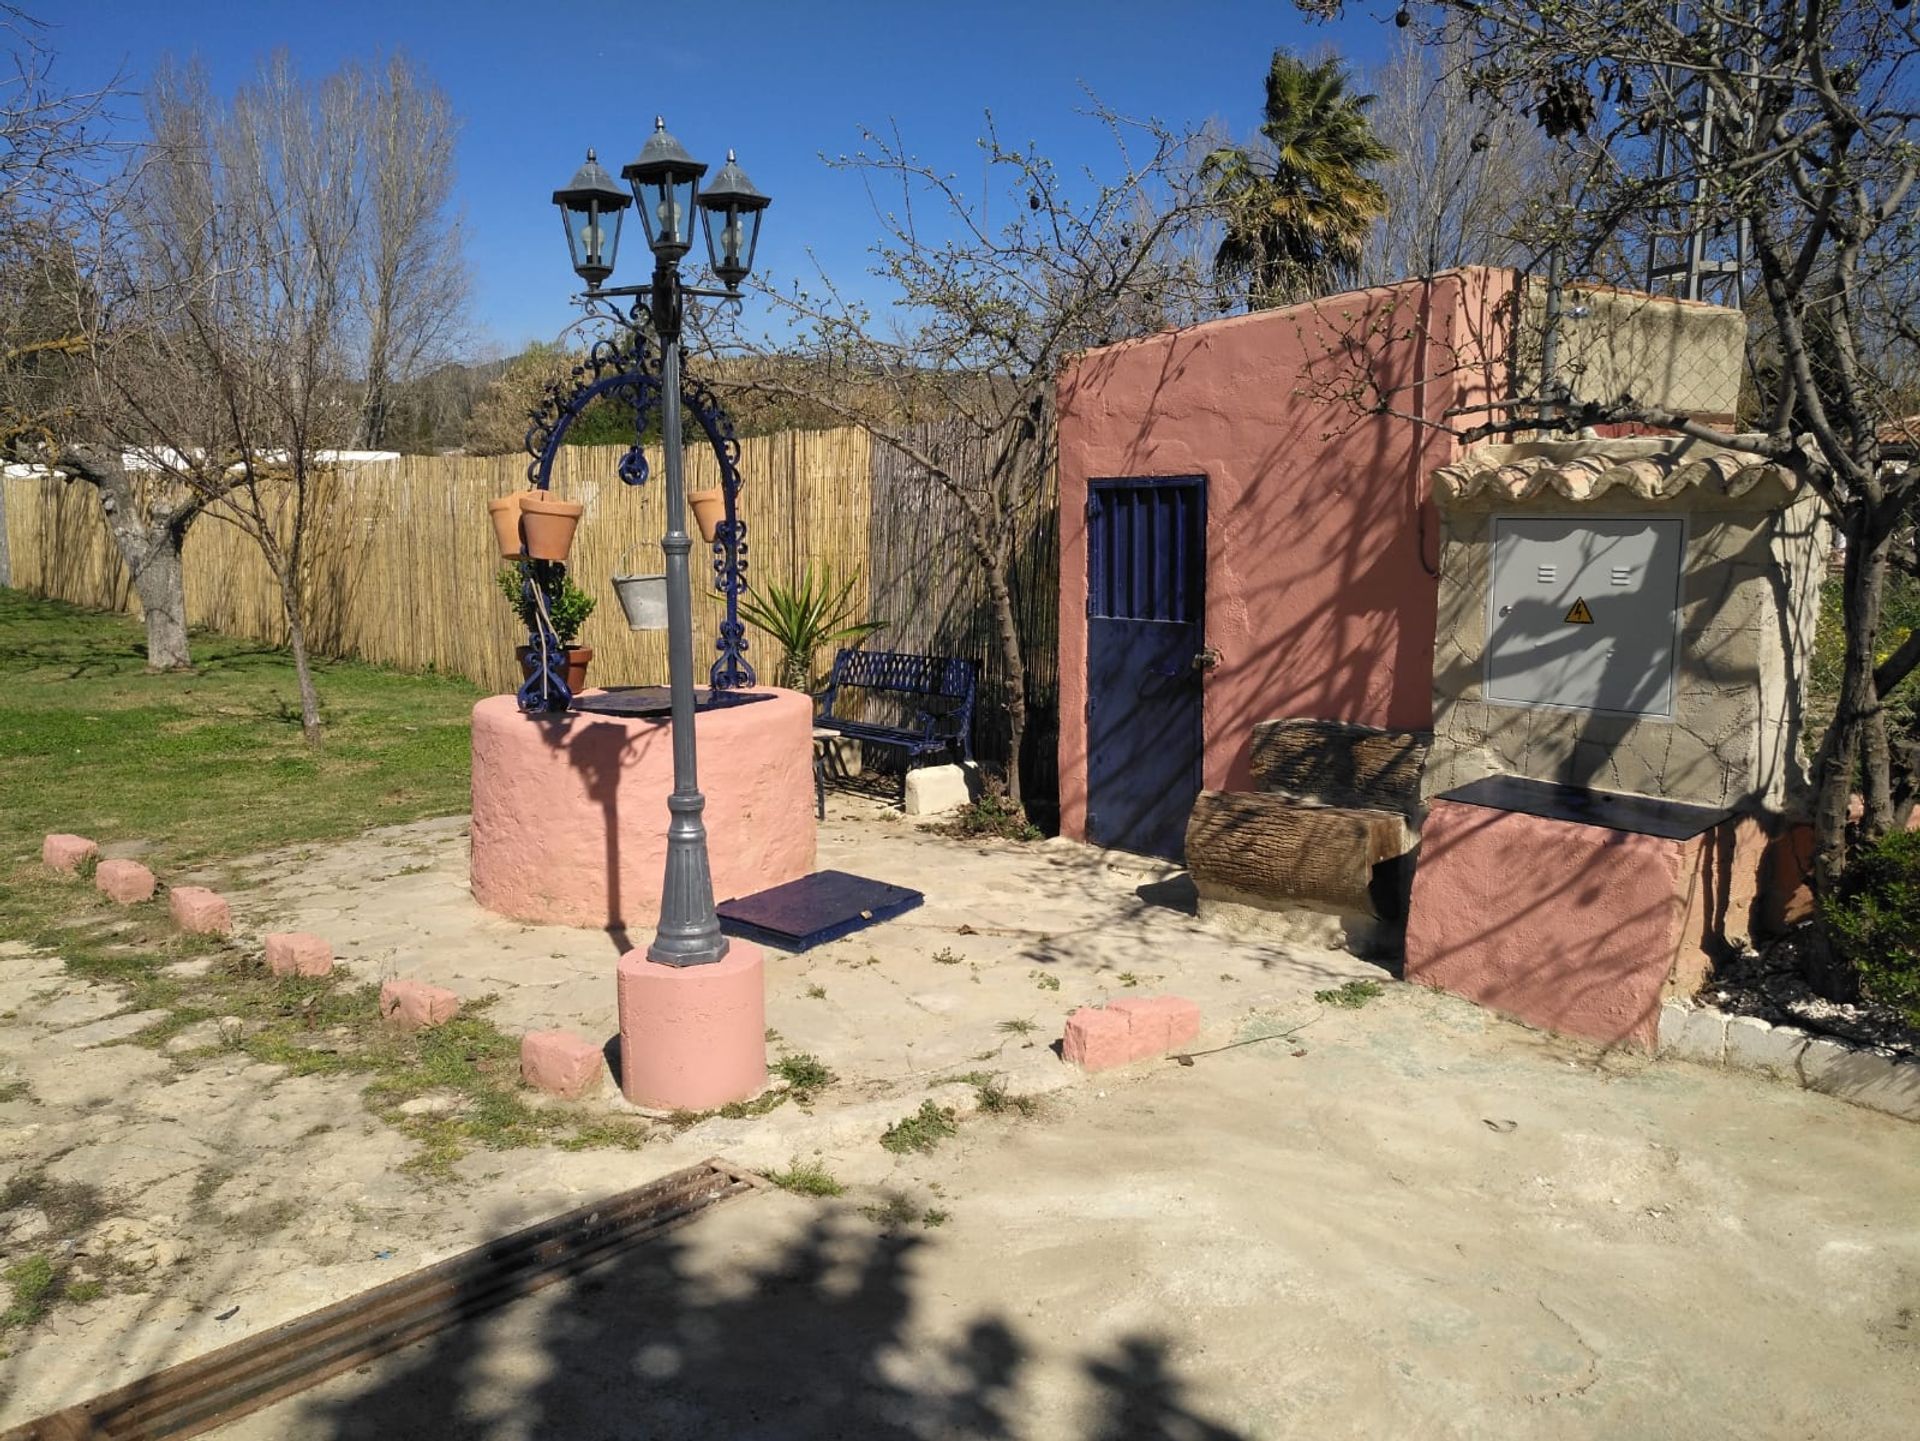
x,y
805,1074
210,765
806,1178
922,1131
35,1284
1351,996
91,742
895,1210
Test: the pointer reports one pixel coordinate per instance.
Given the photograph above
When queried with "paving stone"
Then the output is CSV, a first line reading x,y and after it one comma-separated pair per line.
x,y
200,1036
1673,1020
1877,1080
1754,1045
114,1028
1703,1038
87,1004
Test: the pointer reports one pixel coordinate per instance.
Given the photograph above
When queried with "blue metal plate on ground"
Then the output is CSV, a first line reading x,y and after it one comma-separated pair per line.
x,y
815,909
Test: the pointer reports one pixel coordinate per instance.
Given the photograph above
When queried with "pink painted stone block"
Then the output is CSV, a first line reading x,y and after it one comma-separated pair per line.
x,y
693,1037
414,1005
1148,1033
1156,1024
63,852
560,1062
1168,1019
1569,927
1097,1038
125,882
199,911
298,953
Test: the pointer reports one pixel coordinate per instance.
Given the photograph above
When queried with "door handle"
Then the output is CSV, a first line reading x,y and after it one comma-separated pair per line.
x,y
1207,660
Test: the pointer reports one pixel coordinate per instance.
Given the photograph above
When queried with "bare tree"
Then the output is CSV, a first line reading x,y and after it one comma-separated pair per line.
x,y
991,291
1464,175
228,312
1814,156
411,280
52,155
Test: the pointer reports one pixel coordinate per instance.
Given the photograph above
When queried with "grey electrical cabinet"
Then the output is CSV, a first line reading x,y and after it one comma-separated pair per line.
x,y
1582,612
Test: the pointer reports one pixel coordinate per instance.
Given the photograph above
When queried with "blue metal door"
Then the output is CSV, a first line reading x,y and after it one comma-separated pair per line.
x,y
1146,603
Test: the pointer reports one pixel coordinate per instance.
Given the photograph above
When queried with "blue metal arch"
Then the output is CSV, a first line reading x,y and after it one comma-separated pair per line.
x,y
625,369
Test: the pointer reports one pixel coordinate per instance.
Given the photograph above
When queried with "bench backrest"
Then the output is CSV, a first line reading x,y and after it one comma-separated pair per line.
x,y
900,673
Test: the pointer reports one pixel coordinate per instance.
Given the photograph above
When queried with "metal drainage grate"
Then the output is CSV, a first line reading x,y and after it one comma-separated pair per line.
x,y
257,1371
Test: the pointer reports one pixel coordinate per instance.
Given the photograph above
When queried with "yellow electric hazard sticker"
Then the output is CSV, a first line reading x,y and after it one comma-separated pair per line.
x,y
1579,615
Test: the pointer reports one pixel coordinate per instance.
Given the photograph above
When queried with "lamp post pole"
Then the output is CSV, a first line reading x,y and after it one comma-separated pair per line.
x,y
665,182
689,931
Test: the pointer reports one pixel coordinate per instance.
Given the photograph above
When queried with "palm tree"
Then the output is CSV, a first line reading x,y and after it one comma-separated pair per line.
x,y
1299,207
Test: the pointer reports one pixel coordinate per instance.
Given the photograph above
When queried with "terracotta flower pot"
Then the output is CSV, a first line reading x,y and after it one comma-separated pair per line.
x,y
505,513
709,508
577,658
549,525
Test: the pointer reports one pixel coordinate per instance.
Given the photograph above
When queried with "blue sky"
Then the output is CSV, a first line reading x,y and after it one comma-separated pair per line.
x,y
535,85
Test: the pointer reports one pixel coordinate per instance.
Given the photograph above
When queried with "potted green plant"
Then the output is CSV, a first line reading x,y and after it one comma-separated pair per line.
x,y
566,612
804,617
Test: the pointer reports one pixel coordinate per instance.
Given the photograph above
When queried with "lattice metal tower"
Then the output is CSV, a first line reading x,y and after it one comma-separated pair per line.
x,y
1690,254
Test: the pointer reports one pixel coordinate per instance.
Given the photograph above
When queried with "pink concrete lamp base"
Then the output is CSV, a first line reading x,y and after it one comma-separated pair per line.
x,y
693,1037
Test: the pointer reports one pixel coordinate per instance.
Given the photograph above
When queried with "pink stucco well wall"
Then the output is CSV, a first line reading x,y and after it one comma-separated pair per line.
x,y
1320,535
570,811
1570,927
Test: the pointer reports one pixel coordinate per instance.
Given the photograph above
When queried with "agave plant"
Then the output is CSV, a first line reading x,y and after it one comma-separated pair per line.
x,y
804,617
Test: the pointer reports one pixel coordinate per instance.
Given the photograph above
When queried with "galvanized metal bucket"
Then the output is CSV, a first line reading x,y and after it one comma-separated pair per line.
x,y
644,599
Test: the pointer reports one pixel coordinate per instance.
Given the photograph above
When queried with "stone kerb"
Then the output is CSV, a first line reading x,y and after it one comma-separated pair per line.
x,y
1862,1075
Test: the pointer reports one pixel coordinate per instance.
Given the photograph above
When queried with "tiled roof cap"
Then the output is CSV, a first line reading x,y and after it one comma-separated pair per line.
x,y
1583,470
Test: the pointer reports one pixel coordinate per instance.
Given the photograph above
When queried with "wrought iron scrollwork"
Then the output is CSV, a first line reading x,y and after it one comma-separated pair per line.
x,y
624,369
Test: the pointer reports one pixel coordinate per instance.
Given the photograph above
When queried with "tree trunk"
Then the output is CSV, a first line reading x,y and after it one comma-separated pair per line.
x,y
1857,735
149,542
1006,627
302,668
159,583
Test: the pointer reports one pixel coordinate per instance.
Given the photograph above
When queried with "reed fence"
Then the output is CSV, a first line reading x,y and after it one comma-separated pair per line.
x,y
400,565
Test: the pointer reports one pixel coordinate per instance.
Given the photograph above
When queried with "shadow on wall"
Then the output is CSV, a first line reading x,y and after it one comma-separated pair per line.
x,y
1579,937
601,751
821,1339
1322,536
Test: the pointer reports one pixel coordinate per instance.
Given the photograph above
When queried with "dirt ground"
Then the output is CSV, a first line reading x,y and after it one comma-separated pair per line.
x,y
1410,1220
207,1195
1352,1240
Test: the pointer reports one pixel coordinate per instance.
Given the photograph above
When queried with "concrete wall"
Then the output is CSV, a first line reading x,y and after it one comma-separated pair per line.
x,y
1676,353
1322,541
1749,595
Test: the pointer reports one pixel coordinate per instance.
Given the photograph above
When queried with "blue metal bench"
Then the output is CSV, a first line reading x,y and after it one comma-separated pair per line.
x,y
940,690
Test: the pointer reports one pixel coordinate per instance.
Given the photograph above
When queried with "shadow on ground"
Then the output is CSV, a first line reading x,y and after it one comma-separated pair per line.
x,y
817,1339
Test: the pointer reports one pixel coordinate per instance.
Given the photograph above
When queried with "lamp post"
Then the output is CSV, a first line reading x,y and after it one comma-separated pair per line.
x,y
665,181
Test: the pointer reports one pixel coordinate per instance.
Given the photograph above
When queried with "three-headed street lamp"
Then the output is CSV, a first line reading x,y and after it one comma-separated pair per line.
x,y
666,190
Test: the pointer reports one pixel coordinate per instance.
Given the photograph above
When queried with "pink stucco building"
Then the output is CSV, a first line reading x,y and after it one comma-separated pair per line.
x,y
1225,489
